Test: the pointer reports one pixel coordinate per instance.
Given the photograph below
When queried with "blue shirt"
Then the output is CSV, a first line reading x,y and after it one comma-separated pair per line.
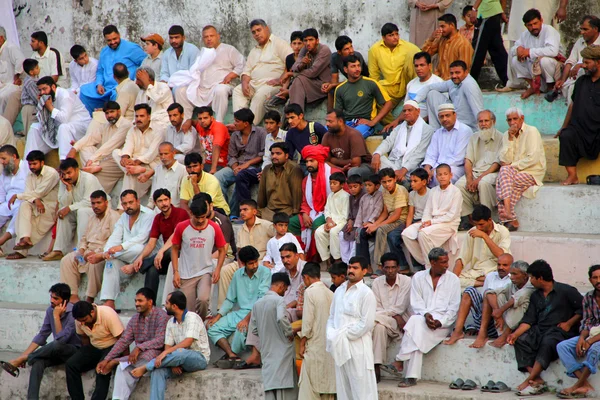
x,y
448,147
171,64
128,53
66,336
245,291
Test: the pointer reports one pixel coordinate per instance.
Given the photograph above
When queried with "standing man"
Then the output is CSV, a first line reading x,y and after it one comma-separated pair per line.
x,y
280,187
424,16
95,94
10,78
75,206
180,56
12,182
434,299
59,322
88,257
311,70
349,335
266,62
62,120
317,379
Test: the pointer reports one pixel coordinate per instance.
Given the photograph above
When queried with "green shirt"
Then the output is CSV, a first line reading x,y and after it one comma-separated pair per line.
x,y
489,8
360,99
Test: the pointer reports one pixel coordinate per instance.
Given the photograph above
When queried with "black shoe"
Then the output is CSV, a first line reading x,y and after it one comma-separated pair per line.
x,y
465,223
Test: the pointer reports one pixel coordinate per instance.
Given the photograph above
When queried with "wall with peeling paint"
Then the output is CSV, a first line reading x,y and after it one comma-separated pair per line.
x,y
80,21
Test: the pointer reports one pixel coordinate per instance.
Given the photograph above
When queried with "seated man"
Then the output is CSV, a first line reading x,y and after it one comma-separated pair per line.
x,y
88,256
49,58
126,91
392,291
214,86
194,269
99,328
572,350
126,242
63,119
265,62
348,149
152,262
248,284
449,45
140,152
59,322
580,127
10,79
213,137
390,64
472,301
506,305
156,94
180,56
82,69
147,329
448,145
523,166
301,133
434,299
358,96
461,90
478,183
404,149
169,174
74,204
246,150
12,182
311,70
95,94
549,320
440,220
198,181
96,147
535,57
186,347
38,205
478,258
280,187
184,142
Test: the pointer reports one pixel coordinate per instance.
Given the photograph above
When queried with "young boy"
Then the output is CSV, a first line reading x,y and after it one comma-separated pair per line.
x,y
440,220
275,134
348,235
30,93
272,259
336,216
82,69
369,210
191,256
337,271
469,15
416,205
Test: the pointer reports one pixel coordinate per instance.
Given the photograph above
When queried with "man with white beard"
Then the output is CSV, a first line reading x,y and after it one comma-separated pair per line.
x,y
12,181
482,162
349,335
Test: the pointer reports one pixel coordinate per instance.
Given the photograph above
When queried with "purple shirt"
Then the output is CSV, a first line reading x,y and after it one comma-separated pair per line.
x,y
66,336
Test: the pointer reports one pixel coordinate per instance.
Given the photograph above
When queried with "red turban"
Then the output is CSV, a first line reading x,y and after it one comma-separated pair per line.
x,y
319,189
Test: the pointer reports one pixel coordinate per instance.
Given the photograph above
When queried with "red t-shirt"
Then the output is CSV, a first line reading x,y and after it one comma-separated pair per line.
x,y
166,227
217,134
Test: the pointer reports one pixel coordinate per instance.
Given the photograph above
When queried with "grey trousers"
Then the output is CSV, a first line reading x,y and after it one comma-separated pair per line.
x,y
54,353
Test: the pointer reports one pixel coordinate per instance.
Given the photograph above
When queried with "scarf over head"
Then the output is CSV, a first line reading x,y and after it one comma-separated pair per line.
x,y
319,191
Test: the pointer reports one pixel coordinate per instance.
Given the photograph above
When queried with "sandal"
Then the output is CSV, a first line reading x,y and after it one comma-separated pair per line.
x,y
407,382
23,246
245,365
500,387
562,395
457,384
488,386
391,369
532,391
227,362
15,256
469,385
11,369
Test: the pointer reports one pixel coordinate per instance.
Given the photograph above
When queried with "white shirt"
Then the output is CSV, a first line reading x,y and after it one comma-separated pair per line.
x,y
138,234
79,196
11,63
546,44
168,178
443,205
13,184
184,142
68,107
448,147
158,96
273,256
412,88
291,294
269,141
47,62
191,327
228,59
442,303
494,282
82,75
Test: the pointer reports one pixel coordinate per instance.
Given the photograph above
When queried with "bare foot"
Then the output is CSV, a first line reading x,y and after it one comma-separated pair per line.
x,y
499,343
139,371
536,382
455,337
94,169
529,92
128,269
399,365
571,180
523,385
135,169
584,389
479,342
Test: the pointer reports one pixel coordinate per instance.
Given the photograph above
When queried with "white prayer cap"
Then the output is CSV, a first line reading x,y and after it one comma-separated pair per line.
x,y
412,103
446,107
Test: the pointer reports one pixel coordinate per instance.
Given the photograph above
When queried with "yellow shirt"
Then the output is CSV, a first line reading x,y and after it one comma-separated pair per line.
x,y
208,184
106,330
393,69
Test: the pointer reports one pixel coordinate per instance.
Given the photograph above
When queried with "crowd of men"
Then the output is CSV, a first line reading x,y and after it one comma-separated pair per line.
x,y
151,123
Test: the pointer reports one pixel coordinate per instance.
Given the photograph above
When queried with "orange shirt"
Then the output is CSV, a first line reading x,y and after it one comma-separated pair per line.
x,y
106,330
216,135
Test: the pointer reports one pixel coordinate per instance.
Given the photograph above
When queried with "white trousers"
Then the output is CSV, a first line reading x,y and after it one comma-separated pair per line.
x,y
125,383
219,103
131,181
72,131
347,248
75,221
10,102
9,214
523,70
411,353
258,96
111,282
427,238
328,243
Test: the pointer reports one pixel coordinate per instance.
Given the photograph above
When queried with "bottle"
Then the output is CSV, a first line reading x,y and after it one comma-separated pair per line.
x,y
79,257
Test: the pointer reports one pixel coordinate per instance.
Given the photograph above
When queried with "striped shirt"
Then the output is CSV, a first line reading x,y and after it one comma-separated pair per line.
x,y
457,47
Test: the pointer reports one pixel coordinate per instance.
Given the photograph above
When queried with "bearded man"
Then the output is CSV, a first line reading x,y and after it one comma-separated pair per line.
x,y
12,182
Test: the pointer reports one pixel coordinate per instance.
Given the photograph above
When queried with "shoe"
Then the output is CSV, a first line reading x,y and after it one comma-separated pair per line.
x,y
53,256
503,89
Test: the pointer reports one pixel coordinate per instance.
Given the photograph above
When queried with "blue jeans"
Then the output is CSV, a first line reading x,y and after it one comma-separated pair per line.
x,y
226,178
188,360
568,356
364,130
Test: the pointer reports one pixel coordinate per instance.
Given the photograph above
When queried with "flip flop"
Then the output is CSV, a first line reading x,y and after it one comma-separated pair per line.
x,y
457,384
532,391
488,386
500,387
407,382
469,385
572,395
11,369
227,363
245,365
15,256
391,369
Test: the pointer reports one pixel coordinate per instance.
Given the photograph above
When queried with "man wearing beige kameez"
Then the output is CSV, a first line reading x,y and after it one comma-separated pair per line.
x,y
423,18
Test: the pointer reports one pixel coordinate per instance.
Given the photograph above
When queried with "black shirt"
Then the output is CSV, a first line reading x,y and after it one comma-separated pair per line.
x,y
586,107
337,64
297,140
561,304
289,62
